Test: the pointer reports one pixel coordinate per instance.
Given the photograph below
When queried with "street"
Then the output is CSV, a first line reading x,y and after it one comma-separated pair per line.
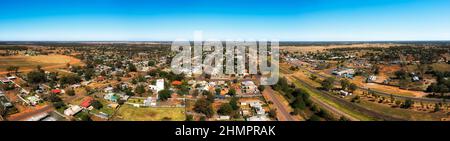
x,y
283,113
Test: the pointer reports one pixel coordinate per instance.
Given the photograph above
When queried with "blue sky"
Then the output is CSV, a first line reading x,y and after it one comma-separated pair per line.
x,y
295,20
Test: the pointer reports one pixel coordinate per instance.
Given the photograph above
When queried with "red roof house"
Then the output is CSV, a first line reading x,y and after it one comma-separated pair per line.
x,y
56,91
87,102
176,82
100,78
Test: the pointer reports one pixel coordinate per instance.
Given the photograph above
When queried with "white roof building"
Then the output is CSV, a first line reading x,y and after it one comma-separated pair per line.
x,y
159,85
258,118
72,110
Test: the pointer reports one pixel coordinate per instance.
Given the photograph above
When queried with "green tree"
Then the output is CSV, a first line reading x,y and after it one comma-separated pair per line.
x,y
273,113
36,77
352,87
328,83
232,92
299,103
407,104
58,105
70,79
209,96
218,91
151,63
14,69
261,88
128,92
189,118
96,104
88,74
132,67
437,107
345,84
204,106
70,92
314,118
165,94
140,89
234,103
225,109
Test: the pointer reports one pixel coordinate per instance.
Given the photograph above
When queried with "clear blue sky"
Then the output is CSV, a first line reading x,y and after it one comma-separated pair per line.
x,y
299,20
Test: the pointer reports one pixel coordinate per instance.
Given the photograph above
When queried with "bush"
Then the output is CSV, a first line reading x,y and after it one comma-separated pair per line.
x,y
164,94
225,109
314,118
407,104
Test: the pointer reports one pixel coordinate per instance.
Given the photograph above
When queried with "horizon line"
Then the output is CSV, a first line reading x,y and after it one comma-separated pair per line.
x,y
225,40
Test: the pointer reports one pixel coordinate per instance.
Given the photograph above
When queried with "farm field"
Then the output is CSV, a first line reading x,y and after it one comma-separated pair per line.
x,y
130,113
28,63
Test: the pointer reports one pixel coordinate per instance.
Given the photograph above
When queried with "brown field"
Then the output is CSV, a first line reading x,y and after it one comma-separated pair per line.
x,y
441,67
387,89
312,48
28,63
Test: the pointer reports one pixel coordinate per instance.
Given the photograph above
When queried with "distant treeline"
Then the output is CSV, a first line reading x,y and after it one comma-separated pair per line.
x,y
13,47
329,43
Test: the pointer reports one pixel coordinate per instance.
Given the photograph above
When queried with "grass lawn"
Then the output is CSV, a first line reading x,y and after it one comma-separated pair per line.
x,y
105,109
130,113
135,100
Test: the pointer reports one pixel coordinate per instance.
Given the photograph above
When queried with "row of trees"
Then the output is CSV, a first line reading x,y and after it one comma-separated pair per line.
x,y
300,101
442,85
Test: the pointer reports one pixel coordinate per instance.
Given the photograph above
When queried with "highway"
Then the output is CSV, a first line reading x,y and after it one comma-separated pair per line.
x,y
283,113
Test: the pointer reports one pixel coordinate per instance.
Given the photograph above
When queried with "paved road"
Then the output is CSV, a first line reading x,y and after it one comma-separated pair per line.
x,y
282,113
